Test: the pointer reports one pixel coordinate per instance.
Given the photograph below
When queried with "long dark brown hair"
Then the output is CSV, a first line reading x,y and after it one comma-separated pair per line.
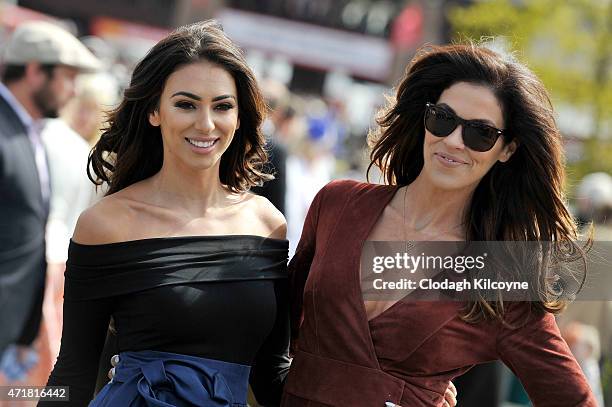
x,y
520,200
130,148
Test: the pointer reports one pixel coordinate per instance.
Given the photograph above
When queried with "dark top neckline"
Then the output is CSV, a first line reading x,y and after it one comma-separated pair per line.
x,y
96,271
187,238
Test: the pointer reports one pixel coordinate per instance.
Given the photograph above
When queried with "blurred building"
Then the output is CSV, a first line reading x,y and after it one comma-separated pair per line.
x,y
332,48
358,37
158,13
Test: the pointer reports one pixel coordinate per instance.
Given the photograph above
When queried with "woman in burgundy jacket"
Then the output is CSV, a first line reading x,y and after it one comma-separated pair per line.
x,y
470,152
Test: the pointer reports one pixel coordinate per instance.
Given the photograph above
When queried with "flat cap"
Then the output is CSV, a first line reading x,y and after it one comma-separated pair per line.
x,y
47,43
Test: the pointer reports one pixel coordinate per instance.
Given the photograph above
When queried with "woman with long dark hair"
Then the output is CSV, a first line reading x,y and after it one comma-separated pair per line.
x,y
189,265
470,151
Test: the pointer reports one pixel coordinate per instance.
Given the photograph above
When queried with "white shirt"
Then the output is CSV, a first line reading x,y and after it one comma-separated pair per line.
x,y
72,190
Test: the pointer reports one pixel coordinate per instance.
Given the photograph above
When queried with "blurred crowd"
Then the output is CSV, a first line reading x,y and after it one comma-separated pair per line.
x,y
312,140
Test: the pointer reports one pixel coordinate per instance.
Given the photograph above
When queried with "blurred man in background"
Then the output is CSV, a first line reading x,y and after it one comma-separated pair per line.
x,y
40,64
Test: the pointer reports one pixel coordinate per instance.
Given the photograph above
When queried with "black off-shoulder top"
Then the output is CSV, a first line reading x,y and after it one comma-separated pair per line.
x,y
218,297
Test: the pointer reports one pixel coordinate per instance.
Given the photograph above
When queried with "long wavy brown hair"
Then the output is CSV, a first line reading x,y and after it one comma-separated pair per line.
x,y
130,148
520,200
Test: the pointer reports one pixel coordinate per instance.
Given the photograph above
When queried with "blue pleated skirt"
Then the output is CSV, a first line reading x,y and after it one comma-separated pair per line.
x,y
151,378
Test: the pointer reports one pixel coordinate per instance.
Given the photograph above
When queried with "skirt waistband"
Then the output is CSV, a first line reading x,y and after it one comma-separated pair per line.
x,y
170,379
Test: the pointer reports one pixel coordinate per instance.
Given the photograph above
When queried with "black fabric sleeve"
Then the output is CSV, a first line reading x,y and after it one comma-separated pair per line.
x,y
83,333
271,365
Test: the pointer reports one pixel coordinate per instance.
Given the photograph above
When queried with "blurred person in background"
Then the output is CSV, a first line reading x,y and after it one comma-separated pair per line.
x,y
594,204
40,64
461,147
593,207
583,340
275,190
310,164
309,167
189,265
96,95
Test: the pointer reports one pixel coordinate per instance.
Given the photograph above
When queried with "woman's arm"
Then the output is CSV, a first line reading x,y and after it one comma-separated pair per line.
x,y
299,267
83,333
534,350
85,323
271,365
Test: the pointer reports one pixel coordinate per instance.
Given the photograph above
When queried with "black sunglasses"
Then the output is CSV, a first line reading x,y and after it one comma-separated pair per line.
x,y
476,135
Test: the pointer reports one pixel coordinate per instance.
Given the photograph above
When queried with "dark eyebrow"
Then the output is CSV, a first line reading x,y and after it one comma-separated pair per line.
x,y
217,98
483,121
187,94
196,97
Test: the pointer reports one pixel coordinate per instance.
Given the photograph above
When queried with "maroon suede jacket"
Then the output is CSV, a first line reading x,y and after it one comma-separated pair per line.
x,y
408,354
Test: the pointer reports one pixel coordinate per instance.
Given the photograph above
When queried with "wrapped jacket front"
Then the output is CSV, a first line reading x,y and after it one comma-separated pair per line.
x,y
408,354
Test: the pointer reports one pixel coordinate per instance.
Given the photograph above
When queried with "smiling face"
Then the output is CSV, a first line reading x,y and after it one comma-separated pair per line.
x,y
198,115
448,163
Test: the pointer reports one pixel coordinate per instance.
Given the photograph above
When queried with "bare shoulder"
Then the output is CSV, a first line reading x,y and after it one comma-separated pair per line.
x,y
271,219
98,223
